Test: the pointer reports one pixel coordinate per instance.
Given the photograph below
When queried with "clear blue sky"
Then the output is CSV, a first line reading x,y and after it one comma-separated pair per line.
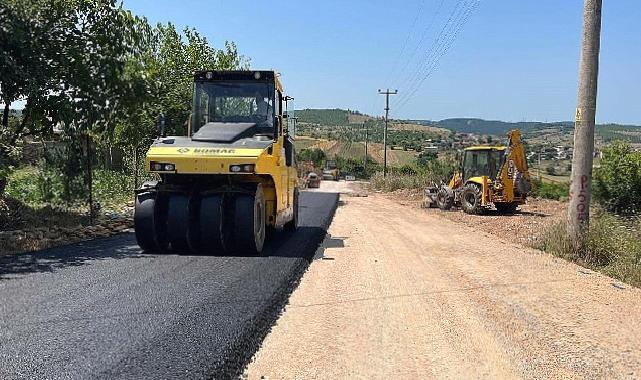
x,y
513,60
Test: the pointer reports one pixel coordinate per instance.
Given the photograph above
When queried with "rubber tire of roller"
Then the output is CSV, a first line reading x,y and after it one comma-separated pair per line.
x,y
249,222
149,222
178,222
211,237
293,224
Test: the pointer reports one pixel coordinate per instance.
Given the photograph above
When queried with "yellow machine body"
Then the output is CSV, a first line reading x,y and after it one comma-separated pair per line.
x,y
278,180
488,175
230,177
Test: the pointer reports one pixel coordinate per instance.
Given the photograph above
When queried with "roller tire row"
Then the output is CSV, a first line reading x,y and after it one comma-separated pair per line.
x,y
208,224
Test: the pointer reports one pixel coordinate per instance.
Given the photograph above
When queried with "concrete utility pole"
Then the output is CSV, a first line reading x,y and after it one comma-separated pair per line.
x,y
581,180
387,94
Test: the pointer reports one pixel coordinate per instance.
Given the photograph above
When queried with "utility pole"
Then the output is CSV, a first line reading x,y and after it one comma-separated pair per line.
x,y
387,94
581,179
540,151
295,118
366,138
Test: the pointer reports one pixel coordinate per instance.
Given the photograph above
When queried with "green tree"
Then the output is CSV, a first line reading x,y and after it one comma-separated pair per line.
x,y
65,58
617,181
425,157
317,156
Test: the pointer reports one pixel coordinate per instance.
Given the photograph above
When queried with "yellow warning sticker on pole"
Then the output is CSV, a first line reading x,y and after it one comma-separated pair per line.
x,y
578,116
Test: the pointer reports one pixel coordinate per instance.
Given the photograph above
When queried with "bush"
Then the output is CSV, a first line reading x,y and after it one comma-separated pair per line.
x,y
9,157
425,157
556,191
355,167
617,182
413,177
317,156
396,181
611,245
39,186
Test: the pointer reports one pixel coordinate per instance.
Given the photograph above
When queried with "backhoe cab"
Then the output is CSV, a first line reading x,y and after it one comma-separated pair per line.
x,y
230,179
488,175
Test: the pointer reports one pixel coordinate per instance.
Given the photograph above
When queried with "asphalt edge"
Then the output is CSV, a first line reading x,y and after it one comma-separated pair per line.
x,y
252,338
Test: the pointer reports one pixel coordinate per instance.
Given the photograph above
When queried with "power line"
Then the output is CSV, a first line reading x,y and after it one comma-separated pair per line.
x,y
429,52
412,73
439,53
407,39
423,36
435,63
440,43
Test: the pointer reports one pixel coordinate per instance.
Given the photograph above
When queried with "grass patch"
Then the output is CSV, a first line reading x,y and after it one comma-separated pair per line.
x,y
396,181
612,246
416,176
556,191
304,142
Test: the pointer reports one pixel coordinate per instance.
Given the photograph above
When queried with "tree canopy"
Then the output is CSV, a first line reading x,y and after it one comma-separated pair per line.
x,y
92,68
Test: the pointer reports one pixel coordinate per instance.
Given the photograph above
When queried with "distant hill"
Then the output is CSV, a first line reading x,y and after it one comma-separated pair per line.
x,y
496,127
329,117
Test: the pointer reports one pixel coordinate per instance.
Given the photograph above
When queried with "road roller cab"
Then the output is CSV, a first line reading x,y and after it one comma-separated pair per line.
x,y
233,176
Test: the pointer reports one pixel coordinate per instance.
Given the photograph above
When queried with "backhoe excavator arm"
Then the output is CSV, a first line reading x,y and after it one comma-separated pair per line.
x,y
515,162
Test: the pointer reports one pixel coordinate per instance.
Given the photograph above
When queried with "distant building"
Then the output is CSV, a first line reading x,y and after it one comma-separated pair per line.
x,y
15,113
430,149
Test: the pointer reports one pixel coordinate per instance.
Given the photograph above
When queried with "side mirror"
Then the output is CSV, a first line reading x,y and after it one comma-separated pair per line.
x,y
161,125
285,115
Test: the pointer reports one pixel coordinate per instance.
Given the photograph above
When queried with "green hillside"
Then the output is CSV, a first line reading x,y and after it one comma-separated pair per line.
x,y
496,127
608,132
326,117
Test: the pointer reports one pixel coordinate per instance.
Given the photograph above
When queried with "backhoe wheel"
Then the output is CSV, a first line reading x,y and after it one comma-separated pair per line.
x,y
178,222
506,207
444,199
249,222
209,235
150,222
293,224
471,199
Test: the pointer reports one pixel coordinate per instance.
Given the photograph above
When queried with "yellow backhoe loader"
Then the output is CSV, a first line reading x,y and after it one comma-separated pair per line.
x,y
488,175
230,179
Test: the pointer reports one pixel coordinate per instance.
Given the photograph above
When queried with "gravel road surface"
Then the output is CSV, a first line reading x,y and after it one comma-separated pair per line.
x,y
404,294
103,309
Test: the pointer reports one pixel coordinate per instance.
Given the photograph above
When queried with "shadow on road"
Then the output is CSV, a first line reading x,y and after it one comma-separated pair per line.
x,y
329,242
493,212
121,246
316,215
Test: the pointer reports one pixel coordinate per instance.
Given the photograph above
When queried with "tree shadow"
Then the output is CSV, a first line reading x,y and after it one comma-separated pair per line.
x,y
20,215
118,246
315,219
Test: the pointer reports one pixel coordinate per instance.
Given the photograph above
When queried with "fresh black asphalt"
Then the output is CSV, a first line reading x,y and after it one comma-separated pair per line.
x,y
104,309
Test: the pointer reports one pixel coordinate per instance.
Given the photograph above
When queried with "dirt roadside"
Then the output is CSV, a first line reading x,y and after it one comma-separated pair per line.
x,y
401,293
532,220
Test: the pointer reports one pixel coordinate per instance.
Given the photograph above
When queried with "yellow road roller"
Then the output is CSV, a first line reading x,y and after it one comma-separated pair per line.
x,y
231,179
